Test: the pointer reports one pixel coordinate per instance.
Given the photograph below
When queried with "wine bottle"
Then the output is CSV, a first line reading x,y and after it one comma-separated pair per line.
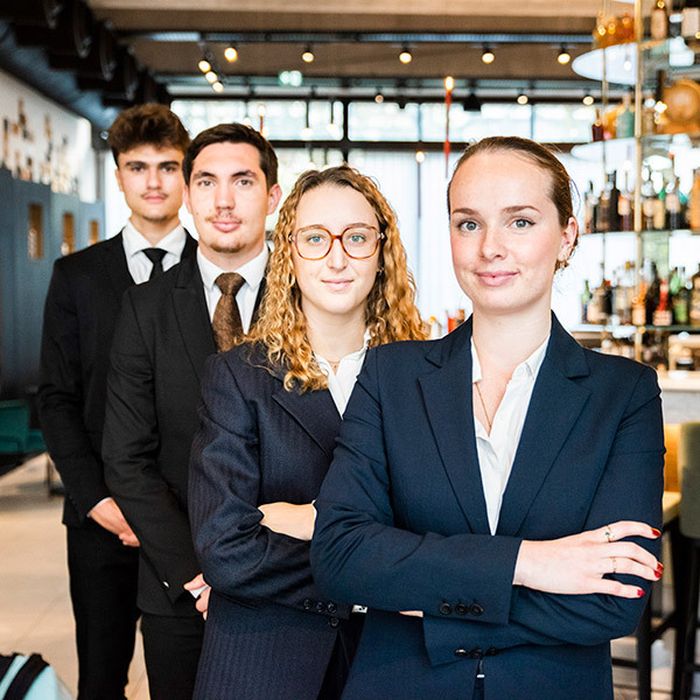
x,y
659,20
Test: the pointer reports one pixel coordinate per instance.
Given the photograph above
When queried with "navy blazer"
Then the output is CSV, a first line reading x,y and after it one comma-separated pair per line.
x,y
269,632
402,522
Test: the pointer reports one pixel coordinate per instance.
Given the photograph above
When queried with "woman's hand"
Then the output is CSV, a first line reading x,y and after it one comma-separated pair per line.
x,y
577,564
289,519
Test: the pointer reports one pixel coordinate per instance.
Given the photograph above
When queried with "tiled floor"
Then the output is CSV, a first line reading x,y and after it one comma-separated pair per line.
x,y
35,612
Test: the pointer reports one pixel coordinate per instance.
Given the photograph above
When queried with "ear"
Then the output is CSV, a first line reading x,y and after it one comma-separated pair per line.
x,y
568,239
273,198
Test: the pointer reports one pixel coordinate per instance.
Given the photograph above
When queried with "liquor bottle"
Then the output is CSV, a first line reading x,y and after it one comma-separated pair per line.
x,y
613,197
651,301
602,219
626,30
597,126
648,113
680,300
624,207
693,210
586,296
674,214
659,207
659,20
623,294
648,197
663,316
624,124
589,206
694,310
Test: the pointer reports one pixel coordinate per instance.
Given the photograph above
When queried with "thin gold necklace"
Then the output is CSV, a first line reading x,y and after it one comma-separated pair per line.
x,y
483,405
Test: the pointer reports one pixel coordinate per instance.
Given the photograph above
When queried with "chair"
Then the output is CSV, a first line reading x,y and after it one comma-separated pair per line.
x,y
17,440
654,623
689,468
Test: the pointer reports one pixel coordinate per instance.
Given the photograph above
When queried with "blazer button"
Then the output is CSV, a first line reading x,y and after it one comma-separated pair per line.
x,y
461,652
476,654
332,608
308,604
445,609
166,584
334,622
320,607
476,609
461,609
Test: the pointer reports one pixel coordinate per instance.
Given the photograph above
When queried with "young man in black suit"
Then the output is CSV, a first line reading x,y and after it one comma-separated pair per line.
x,y
165,332
148,143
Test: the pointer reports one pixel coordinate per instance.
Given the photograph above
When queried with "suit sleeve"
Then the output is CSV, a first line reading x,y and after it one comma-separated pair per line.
x,y
355,541
62,398
241,558
130,450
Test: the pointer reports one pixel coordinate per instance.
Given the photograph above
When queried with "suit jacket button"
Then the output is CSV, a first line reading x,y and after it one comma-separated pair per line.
x,y
334,622
320,607
461,609
166,584
476,654
308,604
332,608
461,652
445,609
476,609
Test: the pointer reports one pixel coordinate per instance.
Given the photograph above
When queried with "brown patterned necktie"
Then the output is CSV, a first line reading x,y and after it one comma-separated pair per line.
x,y
227,324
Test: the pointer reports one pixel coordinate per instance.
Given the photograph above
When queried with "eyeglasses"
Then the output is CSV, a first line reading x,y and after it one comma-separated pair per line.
x,y
358,242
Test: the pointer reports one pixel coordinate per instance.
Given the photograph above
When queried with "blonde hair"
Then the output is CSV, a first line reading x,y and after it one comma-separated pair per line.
x,y
391,313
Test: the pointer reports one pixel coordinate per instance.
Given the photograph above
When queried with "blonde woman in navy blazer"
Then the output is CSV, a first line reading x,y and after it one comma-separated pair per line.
x,y
513,591
337,282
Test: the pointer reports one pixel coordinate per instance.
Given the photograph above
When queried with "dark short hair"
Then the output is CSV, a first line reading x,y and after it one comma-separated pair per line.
x,y
147,124
233,133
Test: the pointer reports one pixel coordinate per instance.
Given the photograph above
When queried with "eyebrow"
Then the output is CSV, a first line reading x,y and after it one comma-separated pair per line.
x,y
159,163
508,210
241,173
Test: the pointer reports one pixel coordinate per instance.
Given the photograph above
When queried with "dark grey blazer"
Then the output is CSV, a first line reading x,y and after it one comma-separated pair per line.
x,y
269,633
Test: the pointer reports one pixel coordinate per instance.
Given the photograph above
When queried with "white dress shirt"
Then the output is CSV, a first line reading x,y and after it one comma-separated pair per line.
x,y
496,451
252,272
342,381
134,244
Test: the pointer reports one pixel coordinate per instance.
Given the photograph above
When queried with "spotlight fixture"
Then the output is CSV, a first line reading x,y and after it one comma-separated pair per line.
x,y
217,86
522,99
488,56
588,100
405,56
449,83
379,98
204,65
472,103
563,57
231,54
211,77
308,55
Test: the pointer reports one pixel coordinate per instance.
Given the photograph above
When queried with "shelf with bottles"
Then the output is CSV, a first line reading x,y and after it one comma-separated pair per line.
x,y
619,150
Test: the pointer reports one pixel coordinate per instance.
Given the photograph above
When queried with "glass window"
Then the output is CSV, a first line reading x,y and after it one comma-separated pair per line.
x,y
369,121
493,120
563,123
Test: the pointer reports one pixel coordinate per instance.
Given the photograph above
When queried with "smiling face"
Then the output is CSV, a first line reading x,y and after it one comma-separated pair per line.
x,y
337,285
228,198
151,180
505,233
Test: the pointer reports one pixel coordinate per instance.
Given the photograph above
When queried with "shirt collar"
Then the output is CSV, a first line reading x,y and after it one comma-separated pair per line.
x,y
355,356
252,272
531,365
135,242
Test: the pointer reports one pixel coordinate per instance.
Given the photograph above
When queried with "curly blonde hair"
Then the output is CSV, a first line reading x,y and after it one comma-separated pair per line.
x,y
391,313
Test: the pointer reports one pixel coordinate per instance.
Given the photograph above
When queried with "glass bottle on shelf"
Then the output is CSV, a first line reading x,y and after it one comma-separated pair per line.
x,y
624,124
624,207
648,197
694,310
659,215
663,315
651,301
586,296
674,210
602,219
597,126
659,20
681,300
589,209
613,197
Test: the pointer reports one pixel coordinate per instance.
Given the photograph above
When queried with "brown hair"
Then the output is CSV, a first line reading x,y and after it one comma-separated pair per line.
x,y
147,124
391,313
562,184
233,133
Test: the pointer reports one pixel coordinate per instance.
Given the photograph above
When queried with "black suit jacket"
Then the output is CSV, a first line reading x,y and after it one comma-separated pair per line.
x,y
269,633
80,315
162,339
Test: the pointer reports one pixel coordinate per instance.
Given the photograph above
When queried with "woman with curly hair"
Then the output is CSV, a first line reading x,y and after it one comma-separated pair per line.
x,y
337,284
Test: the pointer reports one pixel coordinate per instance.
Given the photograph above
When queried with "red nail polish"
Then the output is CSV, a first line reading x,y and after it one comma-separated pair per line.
x,y
658,574
640,593
655,532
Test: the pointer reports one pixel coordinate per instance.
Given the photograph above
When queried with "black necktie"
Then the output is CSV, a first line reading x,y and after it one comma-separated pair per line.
x,y
155,255
226,323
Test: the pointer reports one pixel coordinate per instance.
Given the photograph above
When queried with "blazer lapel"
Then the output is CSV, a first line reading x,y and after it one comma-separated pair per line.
x,y
115,267
192,315
315,412
190,246
556,404
448,403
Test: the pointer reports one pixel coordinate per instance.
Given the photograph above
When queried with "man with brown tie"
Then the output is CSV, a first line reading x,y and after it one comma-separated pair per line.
x,y
166,331
148,143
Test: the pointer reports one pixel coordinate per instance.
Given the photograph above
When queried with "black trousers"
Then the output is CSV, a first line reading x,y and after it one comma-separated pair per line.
x,y
171,647
103,580
343,653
